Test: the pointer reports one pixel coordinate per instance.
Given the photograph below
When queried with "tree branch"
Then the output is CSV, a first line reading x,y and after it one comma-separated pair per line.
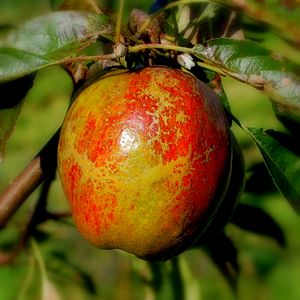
x,y
39,169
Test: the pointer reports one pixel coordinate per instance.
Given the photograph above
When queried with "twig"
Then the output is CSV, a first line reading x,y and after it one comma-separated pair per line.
x,y
88,58
40,168
160,46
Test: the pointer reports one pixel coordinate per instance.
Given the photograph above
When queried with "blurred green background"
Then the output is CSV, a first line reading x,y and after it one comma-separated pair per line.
x,y
75,269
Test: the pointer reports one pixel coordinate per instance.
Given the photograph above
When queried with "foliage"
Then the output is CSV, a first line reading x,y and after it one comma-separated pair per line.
x,y
210,39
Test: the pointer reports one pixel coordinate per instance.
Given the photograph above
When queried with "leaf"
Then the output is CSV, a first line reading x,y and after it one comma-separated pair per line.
x,y
16,63
157,5
78,275
82,5
226,260
254,219
176,279
49,291
282,16
8,119
253,64
57,32
10,106
259,180
282,157
54,4
48,40
190,282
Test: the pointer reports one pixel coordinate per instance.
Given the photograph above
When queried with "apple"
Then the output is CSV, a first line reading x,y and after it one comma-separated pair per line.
x,y
228,205
144,159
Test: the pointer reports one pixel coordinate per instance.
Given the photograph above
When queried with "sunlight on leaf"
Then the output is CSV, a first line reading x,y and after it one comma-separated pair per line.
x,y
54,35
257,66
27,280
49,291
192,289
49,39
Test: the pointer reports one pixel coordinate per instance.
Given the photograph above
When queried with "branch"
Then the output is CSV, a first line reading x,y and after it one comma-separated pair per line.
x,y
39,169
287,29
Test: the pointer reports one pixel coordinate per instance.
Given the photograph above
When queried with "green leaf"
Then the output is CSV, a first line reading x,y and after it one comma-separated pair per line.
x,y
10,105
74,272
8,119
226,260
48,40
282,157
15,63
264,224
281,16
82,5
253,64
259,181
190,282
48,289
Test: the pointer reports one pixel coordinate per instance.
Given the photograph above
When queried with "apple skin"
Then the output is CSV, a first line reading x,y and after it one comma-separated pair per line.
x,y
144,159
231,199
